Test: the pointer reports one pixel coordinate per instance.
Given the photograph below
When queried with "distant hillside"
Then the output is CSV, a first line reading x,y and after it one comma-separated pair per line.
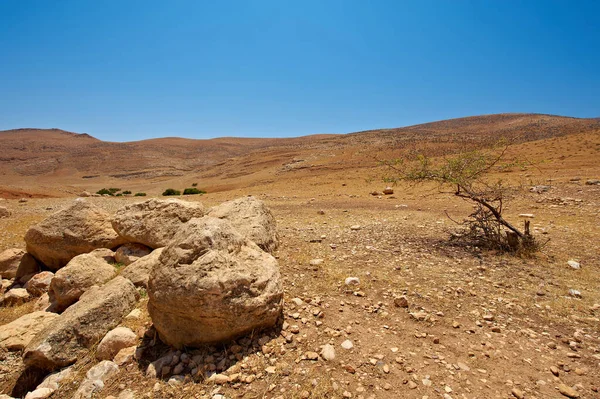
x,y
57,153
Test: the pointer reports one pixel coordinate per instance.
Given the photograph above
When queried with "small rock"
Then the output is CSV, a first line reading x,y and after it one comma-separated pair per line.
x,y
568,391
347,344
355,227
574,264
316,262
328,352
401,302
517,393
574,293
352,281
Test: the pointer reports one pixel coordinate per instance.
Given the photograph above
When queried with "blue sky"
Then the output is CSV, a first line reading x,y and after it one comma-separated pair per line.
x,y
129,70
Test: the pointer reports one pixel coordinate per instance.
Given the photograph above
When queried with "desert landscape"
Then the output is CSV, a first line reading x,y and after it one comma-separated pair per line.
x,y
344,289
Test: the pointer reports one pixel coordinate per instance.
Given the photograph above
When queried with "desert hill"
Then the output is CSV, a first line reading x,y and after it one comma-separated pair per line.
x,y
37,161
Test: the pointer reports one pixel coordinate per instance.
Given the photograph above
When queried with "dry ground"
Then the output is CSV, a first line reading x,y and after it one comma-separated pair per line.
x,y
486,324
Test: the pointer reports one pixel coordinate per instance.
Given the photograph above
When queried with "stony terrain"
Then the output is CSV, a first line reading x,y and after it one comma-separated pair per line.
x,y
377,303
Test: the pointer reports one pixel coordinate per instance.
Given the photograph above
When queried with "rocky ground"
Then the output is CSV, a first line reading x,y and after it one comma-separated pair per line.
x,y
378,304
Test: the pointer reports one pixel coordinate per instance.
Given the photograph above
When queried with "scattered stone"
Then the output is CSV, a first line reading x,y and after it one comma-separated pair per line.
x,y
355,227
574,293
352,281
527,215
78,229
128,253
540,189
95,379
154,222
568,391
401,302
592,182
83,324
115,340
209,256
517,393
17,334
4,212
316,262
347,344
574,264
388,191
328,352
554,370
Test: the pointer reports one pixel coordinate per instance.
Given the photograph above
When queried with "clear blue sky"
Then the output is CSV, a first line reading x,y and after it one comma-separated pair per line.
x,y
127,70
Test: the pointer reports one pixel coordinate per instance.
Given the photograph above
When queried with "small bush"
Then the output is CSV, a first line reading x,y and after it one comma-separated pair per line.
x,y
104,192
192,191
171,191
126,192
114,190
119,195
139,195
194,184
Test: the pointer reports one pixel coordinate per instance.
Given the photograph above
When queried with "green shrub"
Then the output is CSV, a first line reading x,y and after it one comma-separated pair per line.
x,y
171,191
192,191
104,191
139,194
194,184
114,190
126,192
119,195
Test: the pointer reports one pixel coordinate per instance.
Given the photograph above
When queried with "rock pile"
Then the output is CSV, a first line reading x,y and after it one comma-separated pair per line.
x,y
210,278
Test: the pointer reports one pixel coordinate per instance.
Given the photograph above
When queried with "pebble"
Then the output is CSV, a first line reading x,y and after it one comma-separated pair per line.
x,y
347,344
328,352
574,264
568,391
401,302
574,293
352,281
316,262
355,227
517,393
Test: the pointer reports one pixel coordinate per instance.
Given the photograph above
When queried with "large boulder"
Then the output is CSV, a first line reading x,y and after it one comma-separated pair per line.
x,y
251,217
139,271
81,273
213,285
39,284
82,325
130,252
78,229
154,222
17,334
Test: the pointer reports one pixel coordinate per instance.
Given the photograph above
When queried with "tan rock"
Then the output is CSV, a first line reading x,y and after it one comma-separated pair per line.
x,y
9,262
78,229
4,212
39,283
95,379
128,253
139,271
568,391
213,285
251,217
81,273
83,324
115,340
17,334
154,222
16,296
104,253
125,355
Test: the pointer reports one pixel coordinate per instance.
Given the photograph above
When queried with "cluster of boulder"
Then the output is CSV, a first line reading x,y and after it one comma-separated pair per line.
x,y
209,275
